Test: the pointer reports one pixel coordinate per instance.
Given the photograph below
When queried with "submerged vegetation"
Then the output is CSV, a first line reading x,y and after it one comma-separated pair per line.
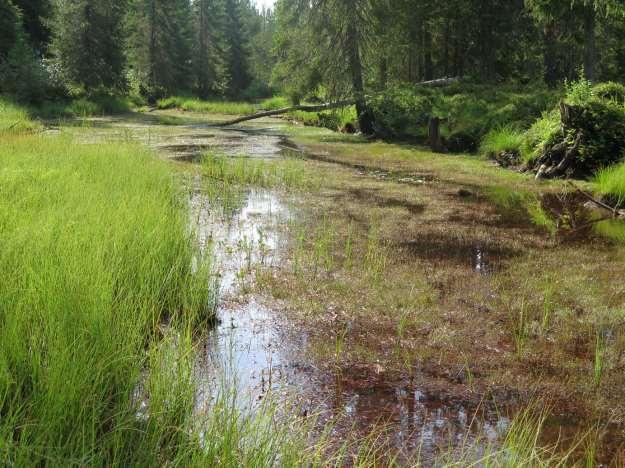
x,y
416,306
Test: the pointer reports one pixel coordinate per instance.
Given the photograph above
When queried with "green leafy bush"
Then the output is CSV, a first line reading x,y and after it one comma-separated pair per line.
x,y
467,111
610,91
401,111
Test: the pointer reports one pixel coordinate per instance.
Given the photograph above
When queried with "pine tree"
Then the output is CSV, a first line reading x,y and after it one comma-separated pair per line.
x,y
236,52
35,15
160,46
21,75
208,46
87,43
9,21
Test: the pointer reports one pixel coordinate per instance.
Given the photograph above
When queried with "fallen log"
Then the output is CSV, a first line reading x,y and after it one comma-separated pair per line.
x,y
322,107
286,110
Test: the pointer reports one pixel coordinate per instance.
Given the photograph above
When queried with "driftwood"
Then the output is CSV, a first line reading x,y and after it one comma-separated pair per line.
x,y
322,107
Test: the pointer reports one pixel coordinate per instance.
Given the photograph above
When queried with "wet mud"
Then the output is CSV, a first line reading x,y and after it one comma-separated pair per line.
x,y
254,349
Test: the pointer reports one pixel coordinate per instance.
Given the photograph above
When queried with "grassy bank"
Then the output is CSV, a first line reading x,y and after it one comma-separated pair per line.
x,y
96,256
193,104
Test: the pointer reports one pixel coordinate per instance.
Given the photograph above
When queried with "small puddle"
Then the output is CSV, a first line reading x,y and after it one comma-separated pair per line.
x,y
248,347
420,422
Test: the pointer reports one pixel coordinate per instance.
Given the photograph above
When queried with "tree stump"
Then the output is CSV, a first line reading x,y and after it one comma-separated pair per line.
x,y
434,135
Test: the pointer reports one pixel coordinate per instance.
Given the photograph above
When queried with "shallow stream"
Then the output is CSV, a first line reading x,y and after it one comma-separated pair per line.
x,y
253,346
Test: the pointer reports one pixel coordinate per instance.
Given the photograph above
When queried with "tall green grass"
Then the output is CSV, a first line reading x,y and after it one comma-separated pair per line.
x,y
502,139
15,119
258,172
610,182
96,257
191,104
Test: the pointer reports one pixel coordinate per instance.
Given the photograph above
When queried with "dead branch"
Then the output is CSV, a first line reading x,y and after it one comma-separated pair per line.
x,y
614,210
322,107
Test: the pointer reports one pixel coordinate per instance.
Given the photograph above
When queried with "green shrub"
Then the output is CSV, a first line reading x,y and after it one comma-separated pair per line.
x,y
401,111
256,90
578,92
276,102
592,131
467,111
610,91
334,120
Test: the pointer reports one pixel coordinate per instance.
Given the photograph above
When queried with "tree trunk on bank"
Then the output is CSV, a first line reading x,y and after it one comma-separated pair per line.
x,y
549,58
428,72
383,73
590,48
365,118
326,106
434,135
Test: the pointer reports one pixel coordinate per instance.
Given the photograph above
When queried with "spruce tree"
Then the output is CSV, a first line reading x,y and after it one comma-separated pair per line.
x,y
160,46
9,21
35,16
236,52
87,43
208,46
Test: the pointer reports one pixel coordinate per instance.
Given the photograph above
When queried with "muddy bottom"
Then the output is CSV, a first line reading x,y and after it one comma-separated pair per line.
x,y
255,351
401,177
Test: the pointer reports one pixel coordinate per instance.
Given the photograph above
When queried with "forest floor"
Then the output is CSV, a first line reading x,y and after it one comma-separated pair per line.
x,y
381,285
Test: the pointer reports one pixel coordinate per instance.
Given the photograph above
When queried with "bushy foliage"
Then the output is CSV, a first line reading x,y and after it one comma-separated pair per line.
x,y
22,74
610,91
401,111
601,128
468,111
